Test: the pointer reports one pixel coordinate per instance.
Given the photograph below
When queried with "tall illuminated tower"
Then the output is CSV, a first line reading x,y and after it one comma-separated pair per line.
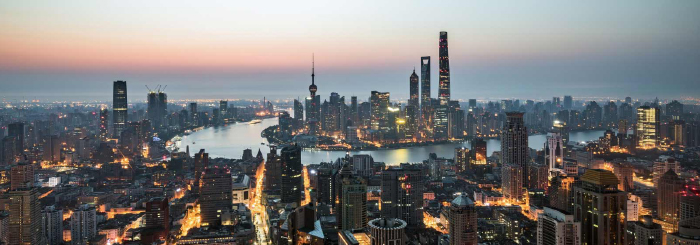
x,y
648,125
444,90
119,107
514,147
413,89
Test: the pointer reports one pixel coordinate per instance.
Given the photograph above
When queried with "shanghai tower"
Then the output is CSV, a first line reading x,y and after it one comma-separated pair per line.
x,y
119,107
444,89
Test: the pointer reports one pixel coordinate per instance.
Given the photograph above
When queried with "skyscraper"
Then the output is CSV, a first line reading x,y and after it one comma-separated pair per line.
x,y
21,176
568,102
119,108
158,213
25,217
385,231
647,129
644,232
425,81
223,111
201,162
52,225
215,195
557,227
597,185
512,182
554,152
83,224
298,111
444,89
352,200
463,221
514,147
402,194
194,116
104,124
414,99
16,130
668,195
380,110
52,149
291,182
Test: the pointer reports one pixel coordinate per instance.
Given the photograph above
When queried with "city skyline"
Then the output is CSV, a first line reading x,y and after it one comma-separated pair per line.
x,y
627,49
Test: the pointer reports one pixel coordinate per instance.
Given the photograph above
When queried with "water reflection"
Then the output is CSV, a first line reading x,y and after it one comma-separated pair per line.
x,y
230,141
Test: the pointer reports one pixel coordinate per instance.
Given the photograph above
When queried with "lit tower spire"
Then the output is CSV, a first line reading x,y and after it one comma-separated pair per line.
x,y
312,87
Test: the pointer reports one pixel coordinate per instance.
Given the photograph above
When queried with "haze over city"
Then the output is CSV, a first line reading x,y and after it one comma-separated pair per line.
x,y
72,50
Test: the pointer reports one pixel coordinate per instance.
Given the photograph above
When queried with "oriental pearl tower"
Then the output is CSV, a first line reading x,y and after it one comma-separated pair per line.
x,y
312,87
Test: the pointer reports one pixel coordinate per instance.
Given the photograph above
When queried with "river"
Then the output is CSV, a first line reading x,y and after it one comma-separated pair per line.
x,y
230,141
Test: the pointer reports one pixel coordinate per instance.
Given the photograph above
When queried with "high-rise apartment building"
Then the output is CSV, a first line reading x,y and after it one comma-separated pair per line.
x,y
668,193
462,221
104,124
568,102
352,201
21,176
644,232
83,225
554,152
119,108
512,183
514,147
25,217
52,225
158,213
557,227
201,162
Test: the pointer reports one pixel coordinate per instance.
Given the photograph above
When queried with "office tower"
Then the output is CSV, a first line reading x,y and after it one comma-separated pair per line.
x,y
83,224
441,122
568,102
628,100
554,152
677,132
455,119
362,164
674,110
298,111
52,225
592,115
380,110
8,150
444,89
644,232
119,108
596,185
472,104
157,109
104,124
385,231
479,151
158,213
462,220
514,147
201,162
425,82
512,182
557,227
194,116
292,183
413,90
669,191
661,166
52,149
17,131
273,170
22,176
462,159
610,114
25,217
352,201
286,124
402,194
325,184
647,129
215,195
354,110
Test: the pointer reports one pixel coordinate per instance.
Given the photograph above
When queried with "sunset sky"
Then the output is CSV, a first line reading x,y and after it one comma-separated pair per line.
x,y
73,50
